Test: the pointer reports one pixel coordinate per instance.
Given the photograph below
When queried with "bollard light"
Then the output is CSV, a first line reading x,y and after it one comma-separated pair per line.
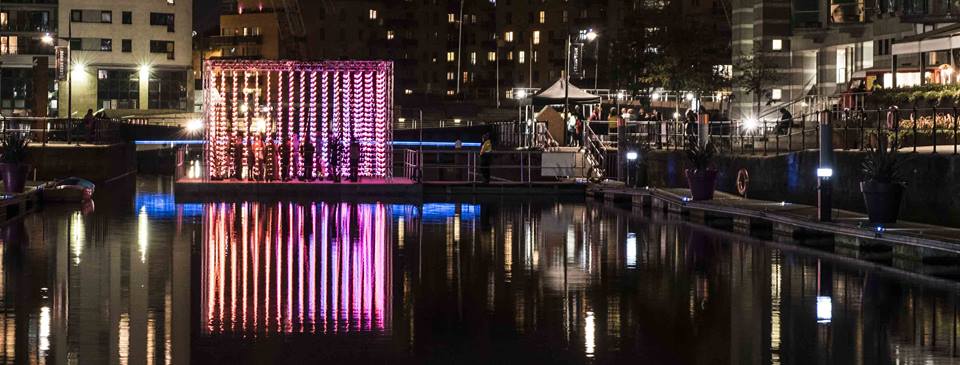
x,y
825,172
632,156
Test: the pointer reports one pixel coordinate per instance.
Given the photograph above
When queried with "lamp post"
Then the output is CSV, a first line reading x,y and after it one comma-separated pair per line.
x,y
825,170
592,36
51,40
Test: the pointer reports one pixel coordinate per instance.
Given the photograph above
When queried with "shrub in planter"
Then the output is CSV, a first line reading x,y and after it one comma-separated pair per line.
x,y
702,176
882,185
13,153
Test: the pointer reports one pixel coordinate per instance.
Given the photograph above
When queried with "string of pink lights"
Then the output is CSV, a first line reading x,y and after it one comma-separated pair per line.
x,y
292,120
283,268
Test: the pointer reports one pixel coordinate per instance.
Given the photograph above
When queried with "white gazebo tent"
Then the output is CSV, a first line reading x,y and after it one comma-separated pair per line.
x,y
557,95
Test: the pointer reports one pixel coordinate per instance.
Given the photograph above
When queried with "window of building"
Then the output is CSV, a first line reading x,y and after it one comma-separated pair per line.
x,y
521,57
450,76
163,19
76,16
118,89
126,45
372,14
451,18
867,49
491,56
162,47
167,90
4,18
564,16
510,56
473,58
106,17
451,56
127,17
841,65
543,17
390,34
776,45
776,94
536,37
508,36
17,89
106,45
8,44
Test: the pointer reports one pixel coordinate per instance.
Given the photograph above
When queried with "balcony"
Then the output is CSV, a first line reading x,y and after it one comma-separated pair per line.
x,y
235,40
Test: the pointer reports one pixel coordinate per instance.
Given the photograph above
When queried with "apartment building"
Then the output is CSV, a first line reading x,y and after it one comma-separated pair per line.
x,y
126,56
22,26
830,49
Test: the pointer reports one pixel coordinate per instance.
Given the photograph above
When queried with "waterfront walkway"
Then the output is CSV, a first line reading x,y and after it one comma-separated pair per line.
x,y
784,218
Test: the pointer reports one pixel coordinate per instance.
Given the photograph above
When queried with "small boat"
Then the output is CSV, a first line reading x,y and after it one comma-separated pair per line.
x,y
71,189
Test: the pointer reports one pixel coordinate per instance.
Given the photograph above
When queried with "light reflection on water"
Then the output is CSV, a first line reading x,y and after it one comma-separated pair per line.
x,y
500,281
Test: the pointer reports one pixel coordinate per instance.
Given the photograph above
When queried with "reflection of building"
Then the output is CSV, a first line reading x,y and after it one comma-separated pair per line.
x,y
131,56
292,268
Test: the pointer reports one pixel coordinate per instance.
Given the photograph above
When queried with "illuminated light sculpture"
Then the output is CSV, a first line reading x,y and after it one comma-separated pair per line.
x,y
292,104
288,268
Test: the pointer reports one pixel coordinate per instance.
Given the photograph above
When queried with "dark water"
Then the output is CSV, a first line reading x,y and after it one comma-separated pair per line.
x,y
143,280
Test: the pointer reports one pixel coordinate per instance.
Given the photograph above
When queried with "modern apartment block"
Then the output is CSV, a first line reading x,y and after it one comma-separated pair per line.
x,y
471,50
22,26
126,55
830,49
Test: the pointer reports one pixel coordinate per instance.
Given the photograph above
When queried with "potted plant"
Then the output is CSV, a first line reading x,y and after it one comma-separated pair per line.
x,y
13,170
882,184
702,176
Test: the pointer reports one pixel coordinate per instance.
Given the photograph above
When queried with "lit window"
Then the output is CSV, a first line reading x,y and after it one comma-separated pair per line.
x,y
450,75
390,34
776,94
170,2
536,37
451,56
508,36
510,56
450,92
777,45
408,92
473,58
373,13
451,18
491,56
543,17
521,57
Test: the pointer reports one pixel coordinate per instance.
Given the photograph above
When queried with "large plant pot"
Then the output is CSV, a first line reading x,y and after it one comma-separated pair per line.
x,y
702,183
14,177
882,200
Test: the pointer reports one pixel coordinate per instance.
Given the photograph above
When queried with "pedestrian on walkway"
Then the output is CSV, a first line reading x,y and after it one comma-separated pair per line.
x,y
786,121
486,150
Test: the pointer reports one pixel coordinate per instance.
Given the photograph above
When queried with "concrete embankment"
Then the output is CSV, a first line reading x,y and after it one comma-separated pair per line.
x,y
933,180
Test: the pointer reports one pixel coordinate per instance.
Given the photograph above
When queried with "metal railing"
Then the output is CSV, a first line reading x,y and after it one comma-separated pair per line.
x,y
466,167
933,130
63,130
523,135
427,124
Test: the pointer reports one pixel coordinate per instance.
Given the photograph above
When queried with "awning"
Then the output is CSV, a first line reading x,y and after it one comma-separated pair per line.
x,y
942,39
557,94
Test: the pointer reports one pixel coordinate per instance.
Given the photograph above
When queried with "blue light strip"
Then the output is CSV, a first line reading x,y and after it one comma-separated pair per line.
x,y
395,143
435,144
174,142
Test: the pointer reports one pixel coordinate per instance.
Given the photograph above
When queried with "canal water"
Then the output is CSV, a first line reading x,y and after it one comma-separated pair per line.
x,y
140,279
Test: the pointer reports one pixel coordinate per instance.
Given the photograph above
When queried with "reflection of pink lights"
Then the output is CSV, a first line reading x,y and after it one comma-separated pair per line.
x,y
355,105
280,242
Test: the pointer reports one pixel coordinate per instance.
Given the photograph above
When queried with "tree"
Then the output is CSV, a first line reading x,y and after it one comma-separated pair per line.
x,y
754,75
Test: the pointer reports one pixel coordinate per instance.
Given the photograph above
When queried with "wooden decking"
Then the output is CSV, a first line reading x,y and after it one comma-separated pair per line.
x,y
785,219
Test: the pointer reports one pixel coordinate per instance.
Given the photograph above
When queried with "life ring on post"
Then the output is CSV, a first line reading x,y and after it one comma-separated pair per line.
x,y
743,182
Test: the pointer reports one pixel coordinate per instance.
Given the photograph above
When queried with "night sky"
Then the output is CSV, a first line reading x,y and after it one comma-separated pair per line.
x,y
205,14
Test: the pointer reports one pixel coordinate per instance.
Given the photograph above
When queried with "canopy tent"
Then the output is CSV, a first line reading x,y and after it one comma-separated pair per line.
x,y
557,94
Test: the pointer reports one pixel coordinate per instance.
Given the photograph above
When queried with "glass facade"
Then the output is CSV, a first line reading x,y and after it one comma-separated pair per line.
x,y
118,89
16,91
168,90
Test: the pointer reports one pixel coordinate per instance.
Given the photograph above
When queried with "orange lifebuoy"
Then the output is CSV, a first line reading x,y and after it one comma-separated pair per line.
x,y
743,182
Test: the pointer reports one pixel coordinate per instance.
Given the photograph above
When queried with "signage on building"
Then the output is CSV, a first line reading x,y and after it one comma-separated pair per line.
x,y
62,63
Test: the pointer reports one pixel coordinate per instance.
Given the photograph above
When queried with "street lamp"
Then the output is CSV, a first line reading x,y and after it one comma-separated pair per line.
x,y
592,36
50,40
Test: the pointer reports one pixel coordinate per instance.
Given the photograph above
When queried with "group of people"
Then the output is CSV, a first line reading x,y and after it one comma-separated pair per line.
x,y
268,157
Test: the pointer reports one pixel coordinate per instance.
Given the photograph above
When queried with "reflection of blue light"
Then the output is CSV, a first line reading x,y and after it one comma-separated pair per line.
x,y
437,212
435,144
160,205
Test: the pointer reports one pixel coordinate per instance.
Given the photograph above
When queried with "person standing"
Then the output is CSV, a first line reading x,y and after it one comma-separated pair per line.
x,y
486,150
355,160
334,147
786,121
